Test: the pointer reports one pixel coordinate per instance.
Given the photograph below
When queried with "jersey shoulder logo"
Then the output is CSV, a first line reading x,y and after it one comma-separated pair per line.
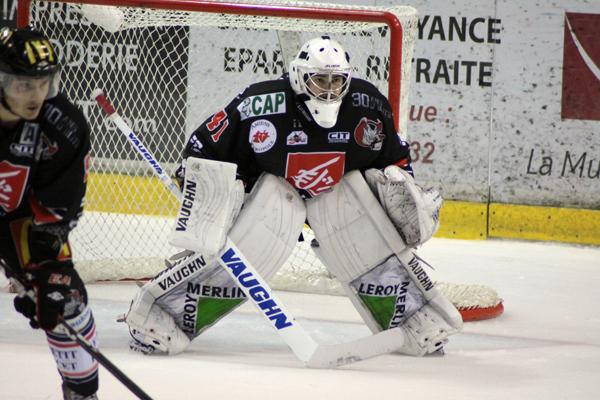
x,y
297,138
315,173
262,136
368,133
217,125
262,104
13,181
27,141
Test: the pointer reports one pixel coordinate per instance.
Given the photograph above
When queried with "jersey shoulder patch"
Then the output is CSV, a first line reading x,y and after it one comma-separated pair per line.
x,y
264,98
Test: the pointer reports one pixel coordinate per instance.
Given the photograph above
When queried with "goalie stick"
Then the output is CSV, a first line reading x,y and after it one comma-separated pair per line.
x,y
17,283
311,353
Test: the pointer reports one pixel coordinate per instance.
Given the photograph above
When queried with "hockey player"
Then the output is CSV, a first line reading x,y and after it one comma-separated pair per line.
x,y
330,140
44,154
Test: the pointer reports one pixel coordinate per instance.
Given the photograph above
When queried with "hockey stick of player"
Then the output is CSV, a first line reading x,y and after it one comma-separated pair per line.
x,y
234,262
18,284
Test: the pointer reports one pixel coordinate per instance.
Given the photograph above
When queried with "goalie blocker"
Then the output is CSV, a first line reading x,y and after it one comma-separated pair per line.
x,y
383,278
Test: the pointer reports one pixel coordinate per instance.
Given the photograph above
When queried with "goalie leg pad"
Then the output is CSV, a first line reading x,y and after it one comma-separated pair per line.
x,y
169,311
384,280
158,332
196,292
268,226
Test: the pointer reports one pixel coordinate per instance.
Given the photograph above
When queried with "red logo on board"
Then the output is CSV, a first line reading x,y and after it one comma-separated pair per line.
x,y
581,67
315,172
13,180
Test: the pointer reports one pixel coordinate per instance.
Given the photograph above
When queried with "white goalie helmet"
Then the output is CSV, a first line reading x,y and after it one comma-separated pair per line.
x,y
321,71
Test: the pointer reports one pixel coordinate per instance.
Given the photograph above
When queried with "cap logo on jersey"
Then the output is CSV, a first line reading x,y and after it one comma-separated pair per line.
x,y
315,173
262,104
369,134
297,138
13,180
262,135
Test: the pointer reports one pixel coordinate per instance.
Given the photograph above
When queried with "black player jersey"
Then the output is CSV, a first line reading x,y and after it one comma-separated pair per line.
x,y
43,164
268,128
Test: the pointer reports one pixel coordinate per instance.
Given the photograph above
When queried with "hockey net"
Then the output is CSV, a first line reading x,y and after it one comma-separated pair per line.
x,y
168,65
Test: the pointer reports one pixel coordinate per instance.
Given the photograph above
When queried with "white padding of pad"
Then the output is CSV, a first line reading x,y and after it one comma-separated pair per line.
x,y
353,230
269,224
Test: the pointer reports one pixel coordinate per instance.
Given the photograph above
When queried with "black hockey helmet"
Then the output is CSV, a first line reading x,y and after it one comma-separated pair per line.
x,y
26,52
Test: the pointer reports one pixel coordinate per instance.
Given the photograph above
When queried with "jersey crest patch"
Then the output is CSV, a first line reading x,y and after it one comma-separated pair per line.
x,y
13,180
369,134
262,104
297,138
263,135
315,173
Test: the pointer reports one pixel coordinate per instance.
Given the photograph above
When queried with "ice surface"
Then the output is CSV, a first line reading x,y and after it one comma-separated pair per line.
x,y
545,346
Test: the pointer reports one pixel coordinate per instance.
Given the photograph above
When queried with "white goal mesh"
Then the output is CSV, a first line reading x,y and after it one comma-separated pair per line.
x,y
166,71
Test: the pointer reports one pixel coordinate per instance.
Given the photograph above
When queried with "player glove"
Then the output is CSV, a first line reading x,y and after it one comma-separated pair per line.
x,y
48,288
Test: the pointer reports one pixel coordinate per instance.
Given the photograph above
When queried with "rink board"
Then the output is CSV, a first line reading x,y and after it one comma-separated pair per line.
x,y
459,219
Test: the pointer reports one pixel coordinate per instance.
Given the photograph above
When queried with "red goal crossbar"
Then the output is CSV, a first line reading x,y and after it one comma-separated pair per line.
x,y
272,10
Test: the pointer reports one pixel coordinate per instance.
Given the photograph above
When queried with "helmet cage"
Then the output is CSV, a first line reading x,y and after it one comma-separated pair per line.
x,y
326,85
320,75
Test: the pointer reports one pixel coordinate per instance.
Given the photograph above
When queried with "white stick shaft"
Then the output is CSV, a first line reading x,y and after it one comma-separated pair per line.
x,y
120,123
258,291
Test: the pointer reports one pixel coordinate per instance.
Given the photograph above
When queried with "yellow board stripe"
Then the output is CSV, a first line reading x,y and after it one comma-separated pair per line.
x,y
129,195
463,220
458,219
545,223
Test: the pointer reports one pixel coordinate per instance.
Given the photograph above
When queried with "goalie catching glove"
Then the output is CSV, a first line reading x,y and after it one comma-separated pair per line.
x,y
414,211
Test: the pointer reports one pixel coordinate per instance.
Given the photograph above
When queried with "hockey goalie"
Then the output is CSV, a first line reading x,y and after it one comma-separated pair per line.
x,y
316,146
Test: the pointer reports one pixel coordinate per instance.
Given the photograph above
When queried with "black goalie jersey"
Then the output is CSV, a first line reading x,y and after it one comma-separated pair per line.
x,y
268,128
